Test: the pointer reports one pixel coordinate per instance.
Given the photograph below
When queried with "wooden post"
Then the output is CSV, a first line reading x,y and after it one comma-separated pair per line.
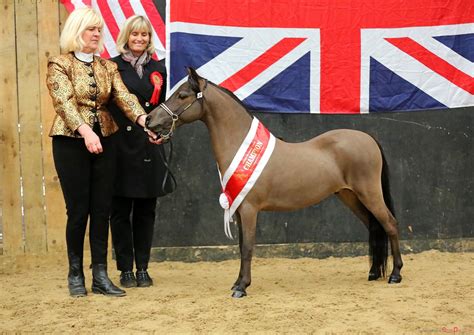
x,y
9,137
48,34
30,125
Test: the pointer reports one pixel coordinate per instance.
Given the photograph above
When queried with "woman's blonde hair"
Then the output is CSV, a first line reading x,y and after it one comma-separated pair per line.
x,y
135,23
79,21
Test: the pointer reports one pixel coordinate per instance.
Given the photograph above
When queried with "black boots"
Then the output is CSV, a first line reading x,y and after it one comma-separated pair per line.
x,y
127,279
75,281
101,282
143,278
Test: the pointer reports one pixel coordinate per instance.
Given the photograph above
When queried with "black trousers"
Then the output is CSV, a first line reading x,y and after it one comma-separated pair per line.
x,y
87,184
132,221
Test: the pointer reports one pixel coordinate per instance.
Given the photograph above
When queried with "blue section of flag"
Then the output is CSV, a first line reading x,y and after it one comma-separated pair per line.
x,y
288,92
462,44
389,92
194,50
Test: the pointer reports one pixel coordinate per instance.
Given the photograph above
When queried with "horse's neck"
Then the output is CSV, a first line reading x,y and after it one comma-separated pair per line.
x,y
228,123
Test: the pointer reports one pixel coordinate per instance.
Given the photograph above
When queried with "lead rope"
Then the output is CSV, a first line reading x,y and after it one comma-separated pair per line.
x,y
168,174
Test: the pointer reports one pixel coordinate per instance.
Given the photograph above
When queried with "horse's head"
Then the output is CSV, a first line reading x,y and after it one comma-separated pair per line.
x,y
184,106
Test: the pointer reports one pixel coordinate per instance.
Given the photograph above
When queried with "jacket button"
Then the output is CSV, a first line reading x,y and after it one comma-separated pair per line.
x,y
129,128
147,104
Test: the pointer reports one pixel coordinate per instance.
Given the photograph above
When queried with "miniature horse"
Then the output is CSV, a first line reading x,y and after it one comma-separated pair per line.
x,y
347,163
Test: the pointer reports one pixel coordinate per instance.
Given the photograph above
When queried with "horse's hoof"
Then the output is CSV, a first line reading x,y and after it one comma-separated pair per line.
x,y
373,276
394,279
234,288
238,294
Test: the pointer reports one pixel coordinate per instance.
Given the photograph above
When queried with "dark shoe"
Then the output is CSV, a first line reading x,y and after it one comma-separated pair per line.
x,y
75,281
144,279
102,284
127,279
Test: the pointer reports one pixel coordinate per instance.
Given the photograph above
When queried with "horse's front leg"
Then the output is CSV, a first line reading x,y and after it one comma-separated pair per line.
x,y
239,225
248,224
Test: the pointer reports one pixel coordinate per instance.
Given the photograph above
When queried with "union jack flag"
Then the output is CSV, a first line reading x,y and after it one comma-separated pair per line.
x,y
345,56
115,12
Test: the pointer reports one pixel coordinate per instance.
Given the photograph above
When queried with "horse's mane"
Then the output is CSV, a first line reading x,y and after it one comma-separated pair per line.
x,y
194,83
232,95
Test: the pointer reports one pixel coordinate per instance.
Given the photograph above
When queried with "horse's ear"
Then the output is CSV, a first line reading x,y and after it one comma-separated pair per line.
x,y
193,79
192,73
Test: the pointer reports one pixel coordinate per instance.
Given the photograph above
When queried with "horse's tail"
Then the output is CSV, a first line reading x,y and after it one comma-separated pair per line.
x,y
378,238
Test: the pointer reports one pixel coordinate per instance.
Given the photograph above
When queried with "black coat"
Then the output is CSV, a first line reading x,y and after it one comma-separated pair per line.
x,y
140,168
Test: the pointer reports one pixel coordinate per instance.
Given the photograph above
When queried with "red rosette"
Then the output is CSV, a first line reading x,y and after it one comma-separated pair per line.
x,y
156,80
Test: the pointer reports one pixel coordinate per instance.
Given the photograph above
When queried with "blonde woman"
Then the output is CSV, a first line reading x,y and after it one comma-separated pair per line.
x,y
81,84
140,167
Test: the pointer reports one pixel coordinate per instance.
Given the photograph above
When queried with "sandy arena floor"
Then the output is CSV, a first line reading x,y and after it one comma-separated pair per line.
x,y
306,295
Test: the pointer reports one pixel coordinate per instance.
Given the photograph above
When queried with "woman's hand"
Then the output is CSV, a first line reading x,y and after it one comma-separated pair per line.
x,y
141,120
91,140
152,137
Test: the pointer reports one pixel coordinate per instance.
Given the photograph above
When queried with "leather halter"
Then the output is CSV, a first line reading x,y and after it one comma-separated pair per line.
x,y
175,115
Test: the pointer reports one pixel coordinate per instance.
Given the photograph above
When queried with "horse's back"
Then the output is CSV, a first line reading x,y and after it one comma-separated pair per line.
x,y
341,137
300,174
353,152
337,144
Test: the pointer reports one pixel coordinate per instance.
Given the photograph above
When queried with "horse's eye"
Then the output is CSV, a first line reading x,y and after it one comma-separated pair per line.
x,y
182,95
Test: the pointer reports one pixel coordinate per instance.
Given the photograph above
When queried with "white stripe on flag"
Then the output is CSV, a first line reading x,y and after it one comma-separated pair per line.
x,y
117,13
78,4
109,42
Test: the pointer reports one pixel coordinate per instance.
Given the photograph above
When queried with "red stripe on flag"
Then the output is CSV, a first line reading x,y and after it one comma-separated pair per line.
x,y
105,54
69,6
155,19
109,18
434,62
260,64
126,8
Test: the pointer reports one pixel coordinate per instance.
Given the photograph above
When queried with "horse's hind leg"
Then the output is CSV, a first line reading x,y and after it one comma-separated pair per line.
x,y
248,219
373,200
357,207
350,200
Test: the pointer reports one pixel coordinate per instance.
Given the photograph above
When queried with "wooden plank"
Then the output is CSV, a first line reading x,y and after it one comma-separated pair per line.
x,y
63,15
48,34
30,125
9,137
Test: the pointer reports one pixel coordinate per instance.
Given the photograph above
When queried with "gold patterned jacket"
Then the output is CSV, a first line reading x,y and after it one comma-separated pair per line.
x,y
80,92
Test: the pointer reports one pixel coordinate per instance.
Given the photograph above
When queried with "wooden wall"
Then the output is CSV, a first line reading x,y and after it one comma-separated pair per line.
x,y
32,205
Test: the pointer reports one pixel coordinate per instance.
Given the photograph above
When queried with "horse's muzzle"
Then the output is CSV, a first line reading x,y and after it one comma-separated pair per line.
x,y
147,121
153,127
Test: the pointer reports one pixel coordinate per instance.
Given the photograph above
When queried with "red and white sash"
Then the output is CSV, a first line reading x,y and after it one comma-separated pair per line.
x,y
247,165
